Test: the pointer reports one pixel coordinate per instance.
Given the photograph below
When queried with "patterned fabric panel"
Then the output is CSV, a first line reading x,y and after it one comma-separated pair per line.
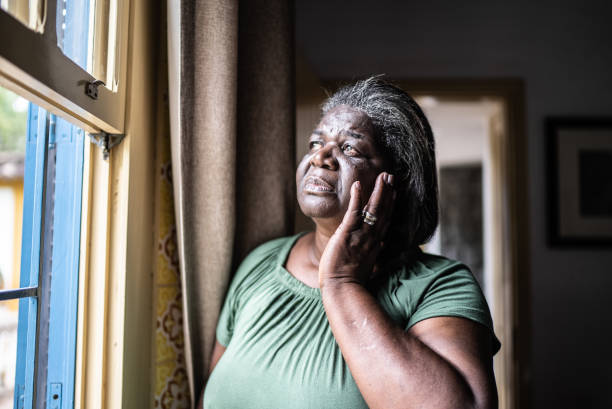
x,y
171,387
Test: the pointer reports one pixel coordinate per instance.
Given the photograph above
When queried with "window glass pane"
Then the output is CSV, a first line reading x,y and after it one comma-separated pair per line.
x,y
41,174
28,12
72,22
23,139
13,126
9,315
87,33
49,182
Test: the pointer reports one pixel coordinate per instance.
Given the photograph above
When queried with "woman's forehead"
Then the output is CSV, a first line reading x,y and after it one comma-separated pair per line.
x,y
345,118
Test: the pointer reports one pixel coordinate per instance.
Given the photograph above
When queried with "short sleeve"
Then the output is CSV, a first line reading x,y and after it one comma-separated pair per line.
x,y
249,272
453,291
225,326
229,311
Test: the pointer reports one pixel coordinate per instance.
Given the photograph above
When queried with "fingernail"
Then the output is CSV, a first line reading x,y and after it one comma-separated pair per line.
x,y
390,177
357,185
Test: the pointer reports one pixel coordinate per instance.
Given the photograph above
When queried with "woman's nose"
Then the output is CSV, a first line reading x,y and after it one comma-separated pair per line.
x,y
325,157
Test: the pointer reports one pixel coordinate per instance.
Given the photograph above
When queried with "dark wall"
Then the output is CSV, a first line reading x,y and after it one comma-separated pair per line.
x,y
563,52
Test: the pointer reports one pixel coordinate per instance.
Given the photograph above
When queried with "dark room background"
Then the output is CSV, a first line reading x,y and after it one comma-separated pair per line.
x,y
562,52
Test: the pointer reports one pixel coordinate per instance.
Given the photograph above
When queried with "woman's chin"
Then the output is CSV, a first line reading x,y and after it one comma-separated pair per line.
x,y
320,207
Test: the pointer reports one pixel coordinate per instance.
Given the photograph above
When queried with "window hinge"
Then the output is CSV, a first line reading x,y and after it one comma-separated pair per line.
x,y
106,141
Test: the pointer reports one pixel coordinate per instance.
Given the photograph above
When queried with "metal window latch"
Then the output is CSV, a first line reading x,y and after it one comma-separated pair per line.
x,y
106,141
91,88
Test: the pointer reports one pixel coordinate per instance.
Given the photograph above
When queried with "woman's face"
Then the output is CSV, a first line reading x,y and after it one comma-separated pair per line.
x,y
342,150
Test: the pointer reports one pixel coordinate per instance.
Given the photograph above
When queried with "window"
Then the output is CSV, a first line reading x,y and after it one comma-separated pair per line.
x,y
53,34
47,286
54,54
28,13
114,280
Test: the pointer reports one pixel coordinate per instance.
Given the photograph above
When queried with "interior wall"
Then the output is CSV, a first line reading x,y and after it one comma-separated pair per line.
x,y
562,51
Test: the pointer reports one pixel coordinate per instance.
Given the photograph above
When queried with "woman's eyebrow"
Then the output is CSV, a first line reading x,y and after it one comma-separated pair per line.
x,y
318,132
353,134
348,132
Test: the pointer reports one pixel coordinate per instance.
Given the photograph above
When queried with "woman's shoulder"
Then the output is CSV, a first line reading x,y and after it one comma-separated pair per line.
x,y
427,273
274,248
264,257
426,267
432,285
427,264
269,247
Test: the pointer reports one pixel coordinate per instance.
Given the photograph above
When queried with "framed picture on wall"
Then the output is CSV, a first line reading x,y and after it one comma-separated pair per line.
x,y
580,180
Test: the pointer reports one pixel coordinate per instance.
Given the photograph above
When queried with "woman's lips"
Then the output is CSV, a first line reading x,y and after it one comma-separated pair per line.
x,y
315,184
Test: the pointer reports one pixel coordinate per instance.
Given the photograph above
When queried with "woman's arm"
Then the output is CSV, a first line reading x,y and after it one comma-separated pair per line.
x,y
440,363
218,351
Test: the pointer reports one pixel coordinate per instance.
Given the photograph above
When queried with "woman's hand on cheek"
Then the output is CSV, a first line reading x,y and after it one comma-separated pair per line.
x,y
351,253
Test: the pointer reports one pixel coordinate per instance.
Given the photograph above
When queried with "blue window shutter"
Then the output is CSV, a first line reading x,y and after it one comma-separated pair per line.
x,y
52,143
33,190
69,145
69,153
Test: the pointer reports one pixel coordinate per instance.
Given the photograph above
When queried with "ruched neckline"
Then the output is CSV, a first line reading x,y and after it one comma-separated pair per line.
x,y
287,279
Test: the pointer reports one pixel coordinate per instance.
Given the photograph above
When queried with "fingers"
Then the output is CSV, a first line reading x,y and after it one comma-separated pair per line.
x,y
380,204
352,217
362,241
382,193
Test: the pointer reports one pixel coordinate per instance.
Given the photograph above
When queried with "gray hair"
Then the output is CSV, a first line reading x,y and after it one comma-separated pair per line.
x,y
405,136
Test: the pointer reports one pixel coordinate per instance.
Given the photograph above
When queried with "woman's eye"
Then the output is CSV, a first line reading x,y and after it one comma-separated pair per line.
x,y
349,149
315,145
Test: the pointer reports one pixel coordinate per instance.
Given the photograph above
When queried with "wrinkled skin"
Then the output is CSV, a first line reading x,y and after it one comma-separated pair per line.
x,y
344,168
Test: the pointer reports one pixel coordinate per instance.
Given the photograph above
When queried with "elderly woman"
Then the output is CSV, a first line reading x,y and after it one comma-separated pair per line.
x,y
354,314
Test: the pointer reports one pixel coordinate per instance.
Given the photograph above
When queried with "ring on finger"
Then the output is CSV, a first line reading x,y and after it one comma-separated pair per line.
x,y
369,218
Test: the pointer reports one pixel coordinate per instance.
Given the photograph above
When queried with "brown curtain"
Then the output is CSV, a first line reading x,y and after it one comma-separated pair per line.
x,y
232,127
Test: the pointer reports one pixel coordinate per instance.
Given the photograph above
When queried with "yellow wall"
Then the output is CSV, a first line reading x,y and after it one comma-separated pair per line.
x,y
170,387
16,185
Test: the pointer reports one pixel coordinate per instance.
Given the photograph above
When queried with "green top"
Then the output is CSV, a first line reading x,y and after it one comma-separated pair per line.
x,y
281,352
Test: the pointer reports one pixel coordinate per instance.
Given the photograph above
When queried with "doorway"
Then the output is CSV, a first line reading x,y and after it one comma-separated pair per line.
x,y
470,143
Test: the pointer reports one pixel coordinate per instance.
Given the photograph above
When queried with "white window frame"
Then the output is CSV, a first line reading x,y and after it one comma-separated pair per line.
x,y
32,65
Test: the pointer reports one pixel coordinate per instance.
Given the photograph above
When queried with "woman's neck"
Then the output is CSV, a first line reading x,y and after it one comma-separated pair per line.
x,y
303,260
319,241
